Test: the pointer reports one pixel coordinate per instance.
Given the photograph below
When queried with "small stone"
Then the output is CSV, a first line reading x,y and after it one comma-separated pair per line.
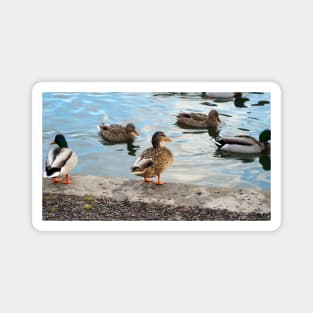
x,y
89,198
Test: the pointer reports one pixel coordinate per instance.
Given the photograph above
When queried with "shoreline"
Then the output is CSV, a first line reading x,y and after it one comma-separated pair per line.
x,y
107,198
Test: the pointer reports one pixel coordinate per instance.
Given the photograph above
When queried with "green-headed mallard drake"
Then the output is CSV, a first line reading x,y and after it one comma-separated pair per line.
x,y
199,120
153,161
118,133
60,161
245,144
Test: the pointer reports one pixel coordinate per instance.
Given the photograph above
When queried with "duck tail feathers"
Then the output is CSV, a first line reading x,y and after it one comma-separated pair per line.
x,y
102,127
140,166
52,171
136,170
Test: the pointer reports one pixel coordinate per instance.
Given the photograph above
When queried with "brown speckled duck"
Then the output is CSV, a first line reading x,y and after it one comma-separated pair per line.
x,y
118,133
199,120
153,161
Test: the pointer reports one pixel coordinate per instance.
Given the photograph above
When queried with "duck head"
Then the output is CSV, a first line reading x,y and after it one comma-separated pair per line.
x,y
157,138
131,130
214,116
60,141
265,135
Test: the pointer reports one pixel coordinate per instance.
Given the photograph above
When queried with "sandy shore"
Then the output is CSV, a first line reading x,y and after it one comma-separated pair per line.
x,y
107,198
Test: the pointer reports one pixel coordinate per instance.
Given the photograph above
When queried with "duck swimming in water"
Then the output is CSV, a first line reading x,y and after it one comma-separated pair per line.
x,y
199,120
154,161
245,144
118,133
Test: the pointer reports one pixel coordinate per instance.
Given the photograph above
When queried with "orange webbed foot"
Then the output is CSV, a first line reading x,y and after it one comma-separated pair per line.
x,y
159,182
57,180
67,181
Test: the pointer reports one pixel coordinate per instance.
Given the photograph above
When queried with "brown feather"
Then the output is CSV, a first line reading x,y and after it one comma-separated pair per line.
x,y
198,120
116,133
161,157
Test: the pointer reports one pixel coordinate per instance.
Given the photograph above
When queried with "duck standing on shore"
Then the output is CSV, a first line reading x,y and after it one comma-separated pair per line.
x,y
199,120
153,161
118,133
245,144
60,161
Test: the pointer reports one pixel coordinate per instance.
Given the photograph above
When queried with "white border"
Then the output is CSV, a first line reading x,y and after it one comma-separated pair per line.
x,y
276,140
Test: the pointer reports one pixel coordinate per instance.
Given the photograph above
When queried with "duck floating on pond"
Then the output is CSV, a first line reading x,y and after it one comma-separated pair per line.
x,y
118,133
199,120
154,161
245,144
60,161
218,95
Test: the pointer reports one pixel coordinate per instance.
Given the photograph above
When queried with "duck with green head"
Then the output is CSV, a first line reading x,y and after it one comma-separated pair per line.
x,y
245,144
60,161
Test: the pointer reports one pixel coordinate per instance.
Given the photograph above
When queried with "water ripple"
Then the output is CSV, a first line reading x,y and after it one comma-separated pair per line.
x,y
196,160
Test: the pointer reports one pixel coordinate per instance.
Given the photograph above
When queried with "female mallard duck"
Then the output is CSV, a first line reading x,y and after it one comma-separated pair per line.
x,y
118,133
199,120
60,161
245,144
153,161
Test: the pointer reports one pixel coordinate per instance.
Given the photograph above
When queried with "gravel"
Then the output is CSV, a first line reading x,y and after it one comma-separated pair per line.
x,y
60,207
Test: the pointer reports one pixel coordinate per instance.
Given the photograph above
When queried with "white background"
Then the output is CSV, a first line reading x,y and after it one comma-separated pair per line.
x,y
37,103
160,40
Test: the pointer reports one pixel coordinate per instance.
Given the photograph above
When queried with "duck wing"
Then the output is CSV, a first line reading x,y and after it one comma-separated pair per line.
x,y
194,116
56,160
183,115
113,132
111,128
238,144
143,162
117,129
199,116
238,140
197,120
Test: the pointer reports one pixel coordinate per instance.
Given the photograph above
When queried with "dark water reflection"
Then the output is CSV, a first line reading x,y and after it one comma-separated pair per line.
x,y
196,159
263,158
239,101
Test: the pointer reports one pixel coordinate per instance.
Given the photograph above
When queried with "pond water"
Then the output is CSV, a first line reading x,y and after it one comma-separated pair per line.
x,y
196,159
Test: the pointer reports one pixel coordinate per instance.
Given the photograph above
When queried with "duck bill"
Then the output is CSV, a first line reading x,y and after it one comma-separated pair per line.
x,y
136,133
52,143
167,139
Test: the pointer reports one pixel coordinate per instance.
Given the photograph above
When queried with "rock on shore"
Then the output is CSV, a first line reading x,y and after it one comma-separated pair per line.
x,y
107,198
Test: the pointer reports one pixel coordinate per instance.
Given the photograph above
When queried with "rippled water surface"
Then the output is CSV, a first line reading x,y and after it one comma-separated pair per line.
x,y
196,159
